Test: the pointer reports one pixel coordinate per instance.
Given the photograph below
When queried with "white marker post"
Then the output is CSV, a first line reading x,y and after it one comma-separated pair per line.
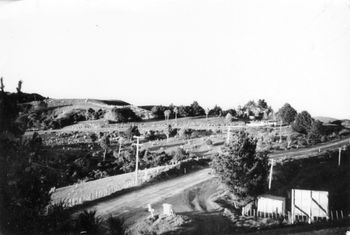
x,y
271,172
339,157
137,158
281,132
228,134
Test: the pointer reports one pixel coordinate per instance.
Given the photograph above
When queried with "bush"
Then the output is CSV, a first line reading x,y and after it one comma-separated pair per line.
x,y
116,226
124,115
132,131
89,222
179,155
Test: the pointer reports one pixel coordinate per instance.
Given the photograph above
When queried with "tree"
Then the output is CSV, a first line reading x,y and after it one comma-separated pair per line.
x,y
241,168
250,104
105,143
183,111
287,113
316,132
228,117
175,110
207,110
231,111
303,122
132,131
124,115
262,104
2,84
19,87
217,111
196,109
158,111
168,132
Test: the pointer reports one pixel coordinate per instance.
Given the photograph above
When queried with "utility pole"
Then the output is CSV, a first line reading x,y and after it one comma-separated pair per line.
x,y
271,172
137,158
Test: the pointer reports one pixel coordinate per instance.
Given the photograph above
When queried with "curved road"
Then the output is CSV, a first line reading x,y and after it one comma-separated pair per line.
x,y
304,152
137,200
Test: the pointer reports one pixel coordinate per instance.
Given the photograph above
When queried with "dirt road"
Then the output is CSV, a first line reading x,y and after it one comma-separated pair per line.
x,y
135,202
320,148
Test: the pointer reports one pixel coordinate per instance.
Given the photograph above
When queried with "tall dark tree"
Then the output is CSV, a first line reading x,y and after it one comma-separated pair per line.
x,y
183,111
196,109
241,168
287,113
316,132
262,104
217,111
303,122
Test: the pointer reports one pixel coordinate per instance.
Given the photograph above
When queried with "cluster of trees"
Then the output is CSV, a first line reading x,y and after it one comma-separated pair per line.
x,y
302,122
181,111
259,110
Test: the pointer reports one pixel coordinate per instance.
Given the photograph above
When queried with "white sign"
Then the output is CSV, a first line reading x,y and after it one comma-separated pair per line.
x,y
168,209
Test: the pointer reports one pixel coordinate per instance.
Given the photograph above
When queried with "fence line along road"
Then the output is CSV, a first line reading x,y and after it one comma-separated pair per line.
x,y
312,151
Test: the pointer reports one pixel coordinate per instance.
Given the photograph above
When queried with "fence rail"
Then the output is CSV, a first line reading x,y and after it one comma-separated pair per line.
x,y
88,191
334,215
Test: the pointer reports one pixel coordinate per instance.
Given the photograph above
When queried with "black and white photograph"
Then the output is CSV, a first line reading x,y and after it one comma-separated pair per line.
x,y
174,117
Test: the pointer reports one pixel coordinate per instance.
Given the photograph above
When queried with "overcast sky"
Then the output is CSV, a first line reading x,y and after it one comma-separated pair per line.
x,y
223,52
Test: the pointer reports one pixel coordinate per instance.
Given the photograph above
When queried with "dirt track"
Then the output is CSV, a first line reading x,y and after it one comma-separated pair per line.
x,y
131,204
311,150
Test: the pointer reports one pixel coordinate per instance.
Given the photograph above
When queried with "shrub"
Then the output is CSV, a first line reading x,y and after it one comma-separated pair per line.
x,y
179,155
132,131
89,222
124,115
116,226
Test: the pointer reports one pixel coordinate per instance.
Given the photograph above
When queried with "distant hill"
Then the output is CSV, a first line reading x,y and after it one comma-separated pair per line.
x,y
114,102
40,113
325,119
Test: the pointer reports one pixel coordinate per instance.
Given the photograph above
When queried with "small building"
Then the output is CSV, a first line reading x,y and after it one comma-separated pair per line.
x,y
271,204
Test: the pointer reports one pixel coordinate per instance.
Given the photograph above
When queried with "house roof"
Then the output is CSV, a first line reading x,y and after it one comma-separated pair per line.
x,y
272,197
